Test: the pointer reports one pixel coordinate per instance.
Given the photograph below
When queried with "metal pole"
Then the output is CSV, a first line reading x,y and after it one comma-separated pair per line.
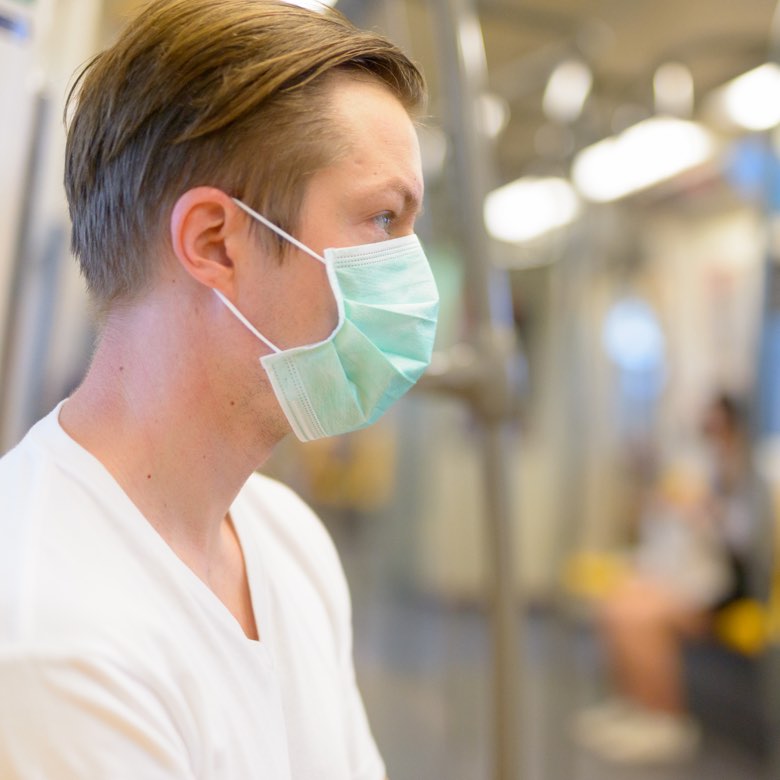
x,y
506,657
765,398
486,380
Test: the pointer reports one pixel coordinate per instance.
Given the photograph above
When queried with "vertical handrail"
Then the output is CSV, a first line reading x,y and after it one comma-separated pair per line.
x,y
488,388
769,312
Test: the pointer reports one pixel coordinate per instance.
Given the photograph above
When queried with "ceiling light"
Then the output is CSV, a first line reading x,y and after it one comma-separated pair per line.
x,y
644,154
752,100
567,90
530,207
673,89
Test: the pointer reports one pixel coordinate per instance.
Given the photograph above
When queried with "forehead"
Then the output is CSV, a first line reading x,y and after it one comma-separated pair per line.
x,y
380,146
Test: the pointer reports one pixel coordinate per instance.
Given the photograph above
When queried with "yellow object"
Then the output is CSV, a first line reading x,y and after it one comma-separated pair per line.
x,y
591,574
743,626
355,471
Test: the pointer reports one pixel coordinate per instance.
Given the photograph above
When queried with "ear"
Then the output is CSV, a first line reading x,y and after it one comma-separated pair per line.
x,y
207,234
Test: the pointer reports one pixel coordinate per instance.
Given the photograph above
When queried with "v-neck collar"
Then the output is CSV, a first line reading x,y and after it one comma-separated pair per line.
x,y
256,571
78,461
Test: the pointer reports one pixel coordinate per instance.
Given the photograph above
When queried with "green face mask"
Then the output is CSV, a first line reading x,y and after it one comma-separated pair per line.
x,y
387,309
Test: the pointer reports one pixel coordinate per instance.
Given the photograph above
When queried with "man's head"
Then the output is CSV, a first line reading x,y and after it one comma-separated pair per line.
x,y
233,94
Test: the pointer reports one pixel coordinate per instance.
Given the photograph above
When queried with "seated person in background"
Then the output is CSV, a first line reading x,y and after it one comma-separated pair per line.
x,y
699,551
243,179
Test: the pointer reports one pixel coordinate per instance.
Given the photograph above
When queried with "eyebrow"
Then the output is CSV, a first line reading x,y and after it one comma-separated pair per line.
x,y
412,201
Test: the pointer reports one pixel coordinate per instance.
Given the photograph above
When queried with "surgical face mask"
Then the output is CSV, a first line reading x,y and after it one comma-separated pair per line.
x,y
387,309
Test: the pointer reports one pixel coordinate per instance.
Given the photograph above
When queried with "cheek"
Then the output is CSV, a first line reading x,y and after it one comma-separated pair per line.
x,y
309,309
323,308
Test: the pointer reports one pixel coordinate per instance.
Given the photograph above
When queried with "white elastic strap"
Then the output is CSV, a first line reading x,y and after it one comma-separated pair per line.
x,y
246,322
283,233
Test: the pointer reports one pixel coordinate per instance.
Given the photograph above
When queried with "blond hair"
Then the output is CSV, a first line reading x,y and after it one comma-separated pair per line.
x,y
226,93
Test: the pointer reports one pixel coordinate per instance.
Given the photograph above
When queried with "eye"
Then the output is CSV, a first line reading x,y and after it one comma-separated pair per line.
x,y
384,221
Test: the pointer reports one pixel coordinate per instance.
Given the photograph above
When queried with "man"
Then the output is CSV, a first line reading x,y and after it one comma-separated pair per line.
x,y
243,178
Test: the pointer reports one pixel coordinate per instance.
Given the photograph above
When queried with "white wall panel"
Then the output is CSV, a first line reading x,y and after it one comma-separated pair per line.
x,y
43,304
18,89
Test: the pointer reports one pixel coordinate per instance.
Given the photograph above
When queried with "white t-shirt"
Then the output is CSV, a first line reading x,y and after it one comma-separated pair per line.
x,y
116,661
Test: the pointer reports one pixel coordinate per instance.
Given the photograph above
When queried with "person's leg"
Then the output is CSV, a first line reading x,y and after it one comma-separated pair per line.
x,y
643,625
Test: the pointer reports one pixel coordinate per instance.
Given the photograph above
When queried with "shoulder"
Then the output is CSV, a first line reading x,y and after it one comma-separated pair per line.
x,y
32,474
28,483
285,515
298,552
74,560
24,466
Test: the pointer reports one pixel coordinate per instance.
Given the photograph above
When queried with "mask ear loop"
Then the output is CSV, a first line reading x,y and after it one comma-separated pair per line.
x,y
246,322
283,233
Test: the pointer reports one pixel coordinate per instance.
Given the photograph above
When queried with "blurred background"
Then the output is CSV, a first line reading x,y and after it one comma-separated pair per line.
x,y
602,187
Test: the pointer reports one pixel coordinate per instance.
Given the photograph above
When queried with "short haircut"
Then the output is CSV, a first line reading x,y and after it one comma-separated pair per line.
x,y
225,93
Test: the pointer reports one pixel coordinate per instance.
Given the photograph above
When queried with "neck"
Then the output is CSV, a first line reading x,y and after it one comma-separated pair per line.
x,y
176,433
